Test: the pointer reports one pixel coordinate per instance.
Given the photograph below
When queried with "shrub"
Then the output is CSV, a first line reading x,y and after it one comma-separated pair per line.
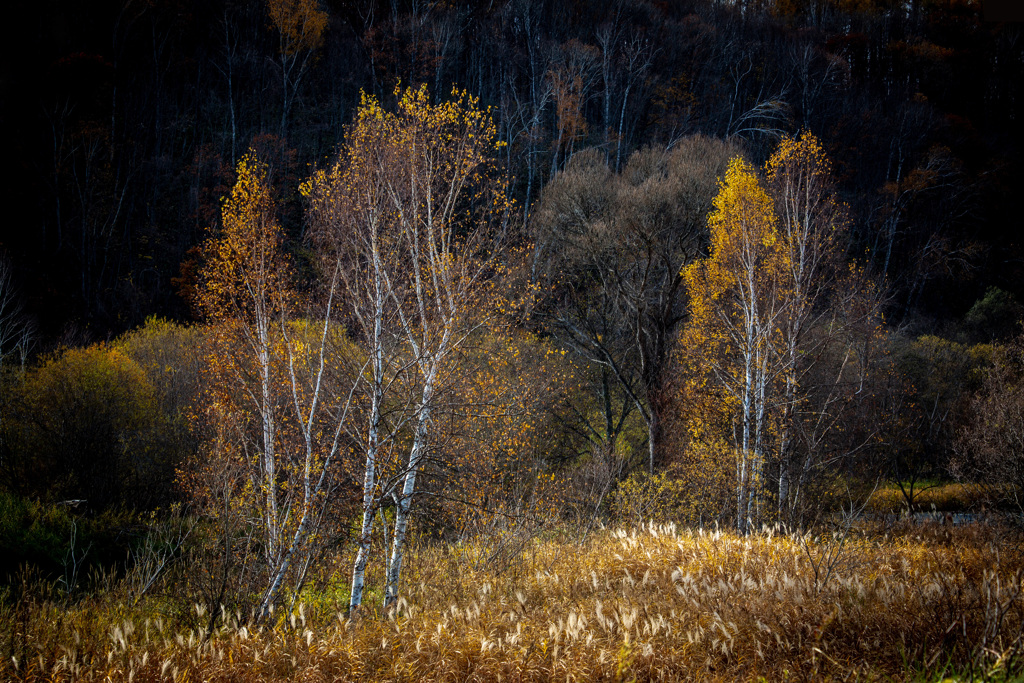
x,y
643,497
86,425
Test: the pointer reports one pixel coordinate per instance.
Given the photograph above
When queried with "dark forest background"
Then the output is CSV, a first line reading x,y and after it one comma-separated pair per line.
x,y
123,121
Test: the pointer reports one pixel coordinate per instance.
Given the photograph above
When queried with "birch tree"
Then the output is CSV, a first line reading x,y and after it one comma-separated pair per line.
x,y
300,28
353,223
270,400
736,307
425,214
811,226
449,217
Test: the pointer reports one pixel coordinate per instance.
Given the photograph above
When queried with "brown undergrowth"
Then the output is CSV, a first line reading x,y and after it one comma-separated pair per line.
x,y
941,497
656,603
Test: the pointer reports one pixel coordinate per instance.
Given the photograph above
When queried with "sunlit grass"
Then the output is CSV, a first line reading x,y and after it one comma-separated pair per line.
x,y
929,496
656,603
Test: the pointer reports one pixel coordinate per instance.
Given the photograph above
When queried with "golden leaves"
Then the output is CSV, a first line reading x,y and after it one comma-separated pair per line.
x,y
804,152
744,264
244,269
301,23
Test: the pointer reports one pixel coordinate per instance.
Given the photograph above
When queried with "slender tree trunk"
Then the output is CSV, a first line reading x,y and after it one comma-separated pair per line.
x,y
785,444
229,74
606,78
369,507
299,538
363,553
784,483
653,433
369,476
269,456
622,118
419,450
757,460
742,479
286,103
554,154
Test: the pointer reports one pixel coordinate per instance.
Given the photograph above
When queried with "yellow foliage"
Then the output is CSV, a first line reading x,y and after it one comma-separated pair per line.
x,y
774,261
736,283
245,272
733,337
87,424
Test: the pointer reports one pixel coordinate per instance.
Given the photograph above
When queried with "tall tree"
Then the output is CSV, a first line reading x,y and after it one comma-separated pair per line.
x,y
426,216
353,224
737,306
812,227
610,249
271,402
452,215
300,28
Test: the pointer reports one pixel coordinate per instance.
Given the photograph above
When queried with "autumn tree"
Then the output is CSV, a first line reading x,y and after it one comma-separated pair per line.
x,y
353,223
990,446
812,228
835,418
245,288
300,28
936,381
498,481
787,328
572,76
737,305
275,418
85,425
413,217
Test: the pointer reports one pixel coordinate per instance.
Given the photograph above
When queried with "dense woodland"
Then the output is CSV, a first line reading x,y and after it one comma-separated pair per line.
x,y
125,122
308,302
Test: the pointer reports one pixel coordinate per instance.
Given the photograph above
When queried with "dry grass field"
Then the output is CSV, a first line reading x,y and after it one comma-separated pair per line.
x,y
922,602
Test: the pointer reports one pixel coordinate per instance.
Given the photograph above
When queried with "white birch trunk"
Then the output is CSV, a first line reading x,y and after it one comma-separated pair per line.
x,y
373,442
369,506
742,492
416,455
268,432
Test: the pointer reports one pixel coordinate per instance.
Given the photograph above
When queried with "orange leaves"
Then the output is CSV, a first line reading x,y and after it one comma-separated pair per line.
x,y
571,78
245,270
301,23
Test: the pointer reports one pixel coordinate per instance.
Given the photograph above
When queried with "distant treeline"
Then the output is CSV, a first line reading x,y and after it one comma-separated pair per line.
x,y
124,121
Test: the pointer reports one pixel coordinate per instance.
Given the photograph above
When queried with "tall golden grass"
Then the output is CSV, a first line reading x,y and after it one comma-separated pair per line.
x,y
649,604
